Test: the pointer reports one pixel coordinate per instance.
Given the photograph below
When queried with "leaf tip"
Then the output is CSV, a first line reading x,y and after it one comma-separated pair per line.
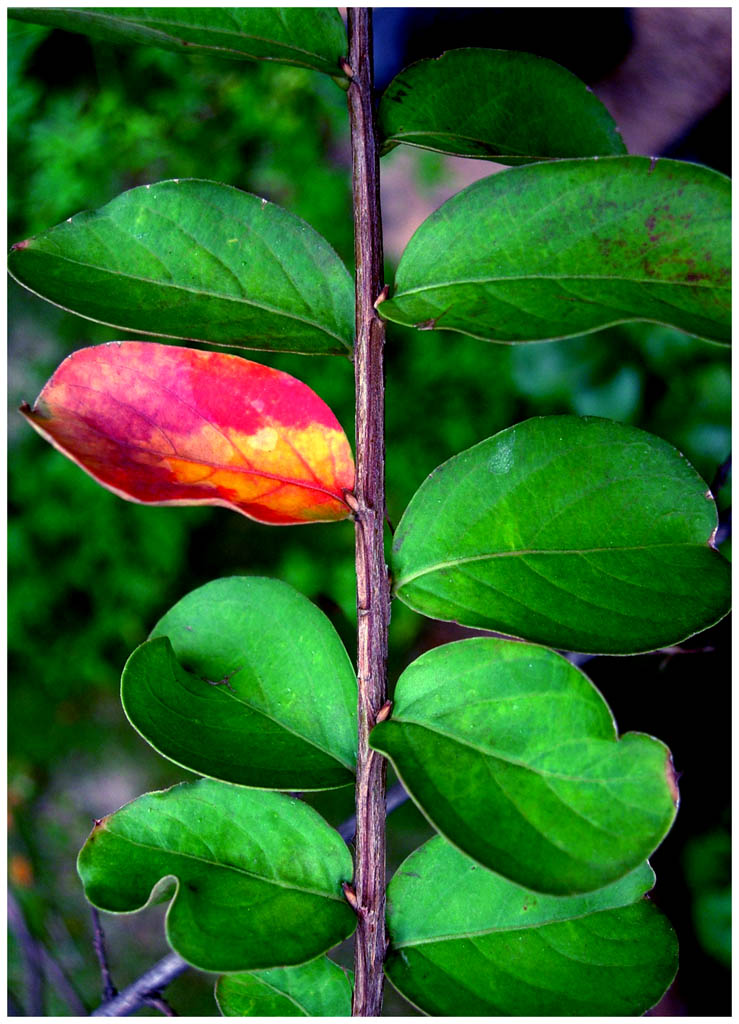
x,y
21,245
98,824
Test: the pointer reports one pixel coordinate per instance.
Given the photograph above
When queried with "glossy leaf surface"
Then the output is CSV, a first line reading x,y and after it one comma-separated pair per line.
x,y
248,682
164,425
316,989
311,37
196,260
257,876
563,248
581,534
512,755
499,105
465,942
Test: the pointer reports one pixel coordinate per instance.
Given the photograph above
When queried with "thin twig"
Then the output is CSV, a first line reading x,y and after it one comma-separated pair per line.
x,y
158,1002
149,985
98,943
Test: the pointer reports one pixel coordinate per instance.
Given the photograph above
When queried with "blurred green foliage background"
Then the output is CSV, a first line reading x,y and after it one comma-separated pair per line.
x,y
90,575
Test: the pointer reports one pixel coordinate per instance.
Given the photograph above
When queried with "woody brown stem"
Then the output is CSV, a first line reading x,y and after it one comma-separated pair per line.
x,y
373,592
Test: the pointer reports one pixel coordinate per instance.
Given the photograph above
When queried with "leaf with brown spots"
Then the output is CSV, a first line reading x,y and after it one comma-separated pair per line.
x,y
553,250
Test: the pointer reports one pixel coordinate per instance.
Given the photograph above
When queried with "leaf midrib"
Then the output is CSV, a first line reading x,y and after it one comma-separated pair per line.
x,y
513,278
258,711
220,467
140,22
507,758
495,929
524,552
280,992
224,867
403,136
192,291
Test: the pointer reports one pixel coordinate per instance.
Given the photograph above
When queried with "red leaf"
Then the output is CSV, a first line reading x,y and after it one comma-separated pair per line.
x,y
165,425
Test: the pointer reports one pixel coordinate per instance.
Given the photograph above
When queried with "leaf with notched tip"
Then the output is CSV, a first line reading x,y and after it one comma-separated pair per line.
x,y
489,730
283,711
257,876
164,425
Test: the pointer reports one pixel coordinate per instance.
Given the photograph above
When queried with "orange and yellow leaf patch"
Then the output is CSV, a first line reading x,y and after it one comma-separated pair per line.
x,y
165,425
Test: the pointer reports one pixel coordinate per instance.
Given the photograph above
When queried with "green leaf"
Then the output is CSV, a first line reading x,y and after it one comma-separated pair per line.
x,y
257,876
198,260
316,989
563,248
248,682
492,731
312,37
500,105
465,942
581,534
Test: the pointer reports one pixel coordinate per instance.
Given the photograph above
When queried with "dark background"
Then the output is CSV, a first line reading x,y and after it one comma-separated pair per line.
x,y
89,575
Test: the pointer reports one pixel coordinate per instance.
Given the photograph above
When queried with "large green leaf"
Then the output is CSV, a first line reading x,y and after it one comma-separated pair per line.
x,y
257,876
467,943
512,754
525,108
564,248
312,37
248,682
316,989
581,534
198,260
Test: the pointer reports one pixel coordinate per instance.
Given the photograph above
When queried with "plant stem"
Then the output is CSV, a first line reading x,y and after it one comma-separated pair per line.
x,y
373,592
135,996
98,942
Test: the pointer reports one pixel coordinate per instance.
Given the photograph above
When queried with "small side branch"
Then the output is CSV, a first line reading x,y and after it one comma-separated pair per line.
x,y
98,942
149,986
